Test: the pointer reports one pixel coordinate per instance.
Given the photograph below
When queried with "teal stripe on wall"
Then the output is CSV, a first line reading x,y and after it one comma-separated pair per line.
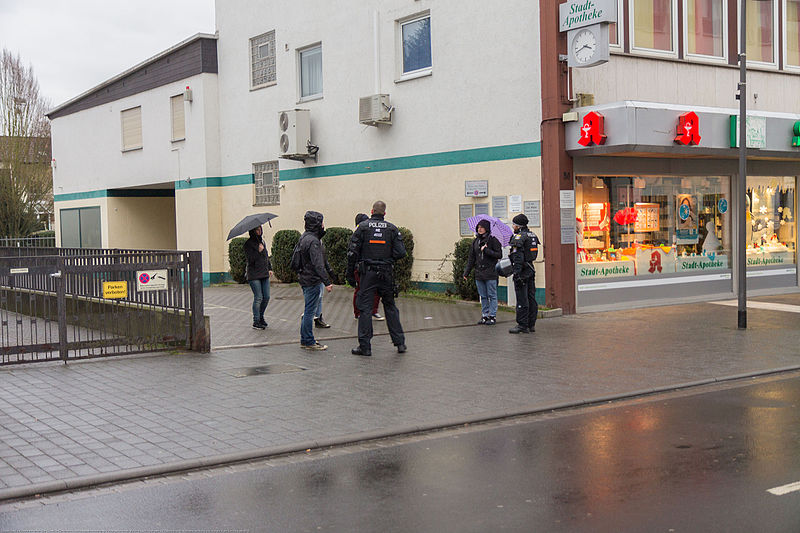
x,y
459,157
116,193
218,181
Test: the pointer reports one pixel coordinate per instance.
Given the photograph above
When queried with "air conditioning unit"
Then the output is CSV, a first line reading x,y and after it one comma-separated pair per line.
x,y
374,110
294,134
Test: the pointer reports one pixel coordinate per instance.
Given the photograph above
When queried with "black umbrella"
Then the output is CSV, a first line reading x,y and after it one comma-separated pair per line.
x,y
250,222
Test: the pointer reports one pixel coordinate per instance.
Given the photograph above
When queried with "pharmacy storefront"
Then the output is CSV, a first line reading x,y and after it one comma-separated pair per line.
x,y
655,204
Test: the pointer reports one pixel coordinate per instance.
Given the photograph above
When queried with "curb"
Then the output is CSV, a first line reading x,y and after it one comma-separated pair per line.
x,y
82,482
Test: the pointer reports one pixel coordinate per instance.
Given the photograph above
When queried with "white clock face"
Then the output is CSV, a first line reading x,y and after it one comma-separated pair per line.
x,y
584,46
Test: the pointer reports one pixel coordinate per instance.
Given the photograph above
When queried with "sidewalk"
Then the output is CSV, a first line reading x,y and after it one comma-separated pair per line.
x,y
104,420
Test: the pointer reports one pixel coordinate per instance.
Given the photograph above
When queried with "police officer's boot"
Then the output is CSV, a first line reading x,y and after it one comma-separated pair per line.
x,y
318,322
360,351
519,329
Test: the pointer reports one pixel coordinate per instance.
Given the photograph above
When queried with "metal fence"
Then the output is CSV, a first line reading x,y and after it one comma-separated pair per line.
x,y
63,303
27,242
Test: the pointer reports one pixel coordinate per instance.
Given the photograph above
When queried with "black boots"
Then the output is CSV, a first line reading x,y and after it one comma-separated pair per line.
x,y
359,351
519,329
321,323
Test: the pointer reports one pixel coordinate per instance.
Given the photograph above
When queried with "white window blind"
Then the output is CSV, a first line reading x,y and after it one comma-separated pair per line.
x,y
311,72
132,128
178,119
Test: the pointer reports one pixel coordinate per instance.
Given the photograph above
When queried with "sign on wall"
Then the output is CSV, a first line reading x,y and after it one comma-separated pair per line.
x,y
567,205
500,207
756,132
532,210
579,13
515,203
476,188
481,209
464,212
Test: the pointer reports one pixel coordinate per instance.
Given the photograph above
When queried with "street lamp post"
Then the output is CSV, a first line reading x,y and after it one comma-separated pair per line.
x,y
742,189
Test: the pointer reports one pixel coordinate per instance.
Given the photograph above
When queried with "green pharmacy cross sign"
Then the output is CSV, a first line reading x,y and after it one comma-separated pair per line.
x,y
796,134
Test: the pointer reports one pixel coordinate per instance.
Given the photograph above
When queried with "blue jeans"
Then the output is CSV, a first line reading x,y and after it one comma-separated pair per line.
x,y
260,288
311,298
488,292
318,312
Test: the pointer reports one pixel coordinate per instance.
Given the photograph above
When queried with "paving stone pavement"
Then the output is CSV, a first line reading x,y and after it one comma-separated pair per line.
x,y
60,424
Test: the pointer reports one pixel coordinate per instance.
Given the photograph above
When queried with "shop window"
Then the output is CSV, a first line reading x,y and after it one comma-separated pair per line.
x,y
792,32
761,17
771,228
651,226
705,22
653,25
267,184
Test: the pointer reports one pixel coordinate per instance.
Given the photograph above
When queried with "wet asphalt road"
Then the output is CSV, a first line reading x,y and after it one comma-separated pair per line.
x,y
698,460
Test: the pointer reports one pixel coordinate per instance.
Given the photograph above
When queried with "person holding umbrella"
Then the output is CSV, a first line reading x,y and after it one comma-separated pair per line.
x,y
258,272
483,256
259,269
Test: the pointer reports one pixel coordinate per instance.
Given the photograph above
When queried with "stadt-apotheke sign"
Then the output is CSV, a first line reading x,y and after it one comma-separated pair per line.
x,y
580,13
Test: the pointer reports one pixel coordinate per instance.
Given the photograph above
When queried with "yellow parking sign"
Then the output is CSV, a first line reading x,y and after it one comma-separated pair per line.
x,y
115,289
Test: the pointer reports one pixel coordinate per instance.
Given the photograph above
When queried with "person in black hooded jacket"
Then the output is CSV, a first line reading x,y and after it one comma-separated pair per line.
x,y
311,274
257,274
483,256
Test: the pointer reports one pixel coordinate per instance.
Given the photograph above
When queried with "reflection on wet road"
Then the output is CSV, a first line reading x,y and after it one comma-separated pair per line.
x,y
688,462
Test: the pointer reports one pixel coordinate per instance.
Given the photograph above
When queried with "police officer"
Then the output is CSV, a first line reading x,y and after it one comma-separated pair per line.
x,y
524,249
374,247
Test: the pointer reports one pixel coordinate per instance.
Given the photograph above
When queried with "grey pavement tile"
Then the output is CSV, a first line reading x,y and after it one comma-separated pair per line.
x,y
16,481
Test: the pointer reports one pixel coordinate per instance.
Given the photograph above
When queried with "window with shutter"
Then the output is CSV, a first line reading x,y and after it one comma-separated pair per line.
x,y
178,119
132,129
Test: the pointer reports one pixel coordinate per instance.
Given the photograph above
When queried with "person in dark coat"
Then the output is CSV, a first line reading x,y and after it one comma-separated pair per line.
x,y
257,274
361,217
483,256
311,274
374,247
524,250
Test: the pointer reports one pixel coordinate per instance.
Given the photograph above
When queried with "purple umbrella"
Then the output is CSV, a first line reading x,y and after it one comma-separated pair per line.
x,y
497,227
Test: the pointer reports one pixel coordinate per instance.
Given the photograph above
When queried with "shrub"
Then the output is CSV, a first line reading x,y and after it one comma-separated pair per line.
x,y
402,269
336,241
465,288
283,243
237,259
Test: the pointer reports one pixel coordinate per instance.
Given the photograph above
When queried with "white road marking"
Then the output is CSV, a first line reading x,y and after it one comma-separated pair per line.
x,y
763,305
785,489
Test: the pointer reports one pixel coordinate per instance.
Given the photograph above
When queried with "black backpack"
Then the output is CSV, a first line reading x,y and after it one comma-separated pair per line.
x,y
296,262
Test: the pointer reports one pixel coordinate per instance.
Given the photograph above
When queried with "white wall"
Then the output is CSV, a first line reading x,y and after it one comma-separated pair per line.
x,y
484,90
87,145
627,77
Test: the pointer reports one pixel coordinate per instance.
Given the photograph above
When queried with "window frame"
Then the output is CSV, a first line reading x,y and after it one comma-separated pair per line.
x,y
620,46
418,73
701,58
315,96
652,52
785,40
172,118
125,148
776,35
276,183
273,42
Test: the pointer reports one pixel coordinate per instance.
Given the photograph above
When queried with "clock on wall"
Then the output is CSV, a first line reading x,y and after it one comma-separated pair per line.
x,y
587,46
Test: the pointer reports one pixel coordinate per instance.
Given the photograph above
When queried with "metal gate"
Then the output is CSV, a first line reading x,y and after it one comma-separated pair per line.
x,y
58,303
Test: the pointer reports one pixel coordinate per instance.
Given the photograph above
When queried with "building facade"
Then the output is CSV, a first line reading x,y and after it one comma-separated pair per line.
x,y
651,143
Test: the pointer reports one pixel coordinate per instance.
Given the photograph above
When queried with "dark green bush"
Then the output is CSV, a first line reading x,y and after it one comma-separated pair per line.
x,y
336,241
465,288
237,259
402,269
283,243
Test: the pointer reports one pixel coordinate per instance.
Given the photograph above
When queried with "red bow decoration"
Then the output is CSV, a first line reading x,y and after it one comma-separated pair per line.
x,y
625,216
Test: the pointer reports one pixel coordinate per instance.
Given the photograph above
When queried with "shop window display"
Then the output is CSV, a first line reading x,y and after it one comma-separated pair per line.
x,y
651,226
771,226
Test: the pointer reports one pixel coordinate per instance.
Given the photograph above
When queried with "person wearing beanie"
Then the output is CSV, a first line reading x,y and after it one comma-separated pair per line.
x,y
484,253
361,217
524,249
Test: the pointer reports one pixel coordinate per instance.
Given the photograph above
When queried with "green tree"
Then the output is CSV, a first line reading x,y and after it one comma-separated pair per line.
x,y
26,183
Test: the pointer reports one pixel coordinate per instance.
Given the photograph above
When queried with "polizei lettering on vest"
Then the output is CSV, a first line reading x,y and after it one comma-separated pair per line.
x,y
377,225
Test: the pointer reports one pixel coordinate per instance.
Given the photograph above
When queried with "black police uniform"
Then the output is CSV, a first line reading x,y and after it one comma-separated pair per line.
x,y
374,247
524,249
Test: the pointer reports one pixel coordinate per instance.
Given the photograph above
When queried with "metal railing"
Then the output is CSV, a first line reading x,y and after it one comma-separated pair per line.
x,y
27,242
57,303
